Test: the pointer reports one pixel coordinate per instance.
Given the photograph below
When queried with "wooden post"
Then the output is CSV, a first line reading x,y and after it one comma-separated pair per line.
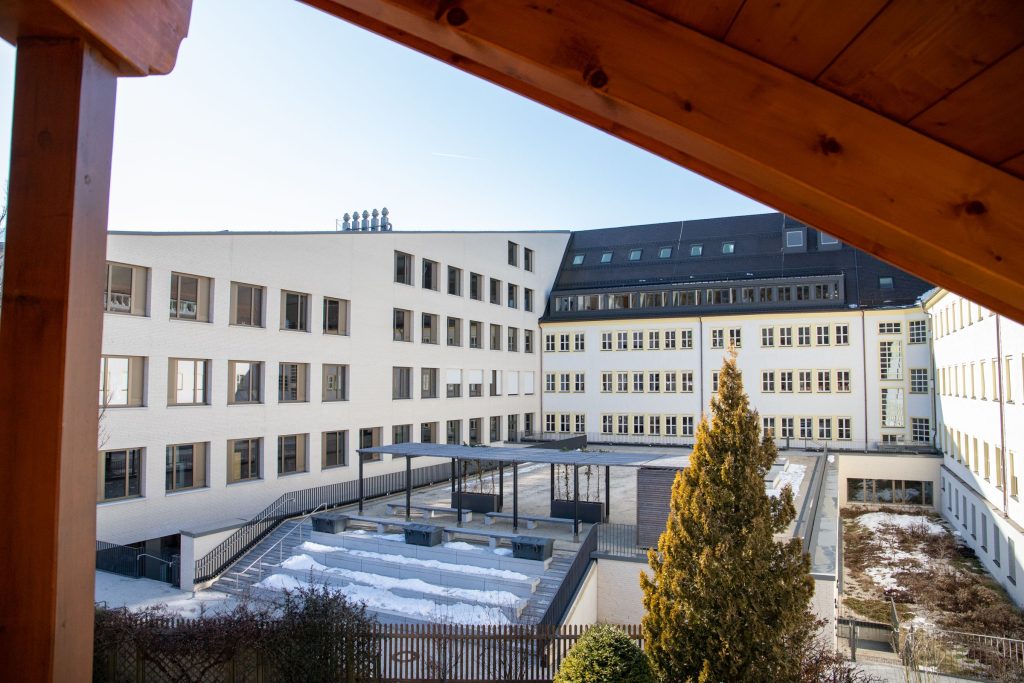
x,y
49,356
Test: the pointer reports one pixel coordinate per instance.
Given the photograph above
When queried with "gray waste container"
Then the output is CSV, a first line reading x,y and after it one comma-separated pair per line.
x,y
423,534
532,547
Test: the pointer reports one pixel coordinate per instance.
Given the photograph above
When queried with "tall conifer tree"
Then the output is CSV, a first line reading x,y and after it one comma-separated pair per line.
x,y
726,602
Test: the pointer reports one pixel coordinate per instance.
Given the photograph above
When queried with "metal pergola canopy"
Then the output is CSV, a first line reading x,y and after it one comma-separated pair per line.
x,y
528,455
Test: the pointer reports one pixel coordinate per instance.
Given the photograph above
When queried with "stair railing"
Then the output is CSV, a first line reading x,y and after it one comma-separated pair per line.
x,y
280,543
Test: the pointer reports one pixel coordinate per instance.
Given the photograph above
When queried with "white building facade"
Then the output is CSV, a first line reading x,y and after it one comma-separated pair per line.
x,y
978,365
241,366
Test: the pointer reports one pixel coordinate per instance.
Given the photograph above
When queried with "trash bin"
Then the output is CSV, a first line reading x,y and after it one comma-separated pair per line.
x,y
532,547
423,534
330,523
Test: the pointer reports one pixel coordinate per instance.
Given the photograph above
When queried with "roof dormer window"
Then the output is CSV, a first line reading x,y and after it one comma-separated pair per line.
x,y
634,254
606,257
665,252
696,249
577,259
728,247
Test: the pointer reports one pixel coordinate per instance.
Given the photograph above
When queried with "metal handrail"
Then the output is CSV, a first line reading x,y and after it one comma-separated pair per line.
x,y
266,513
158,559
280,542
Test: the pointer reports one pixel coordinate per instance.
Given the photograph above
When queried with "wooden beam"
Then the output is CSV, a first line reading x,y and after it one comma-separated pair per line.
x,y
49,356
875,184
139,38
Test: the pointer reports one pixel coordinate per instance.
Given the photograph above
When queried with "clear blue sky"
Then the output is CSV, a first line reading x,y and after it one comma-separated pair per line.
x,y
278,116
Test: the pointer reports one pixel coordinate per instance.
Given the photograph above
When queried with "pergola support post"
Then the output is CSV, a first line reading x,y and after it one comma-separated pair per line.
x,y
575,502
607,492
50,340
359,454
458,496
408,487
501,485
515,497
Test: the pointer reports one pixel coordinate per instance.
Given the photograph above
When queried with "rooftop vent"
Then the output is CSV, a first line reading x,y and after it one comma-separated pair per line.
x,y
377,221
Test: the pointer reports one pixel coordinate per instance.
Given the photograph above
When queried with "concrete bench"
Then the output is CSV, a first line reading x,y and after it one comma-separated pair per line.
x,y
492,537
429,511
531,520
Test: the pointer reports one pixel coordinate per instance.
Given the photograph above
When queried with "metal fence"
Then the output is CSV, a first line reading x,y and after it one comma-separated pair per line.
x,y
137,563
302,502
964,654
619,540
399,652
562,598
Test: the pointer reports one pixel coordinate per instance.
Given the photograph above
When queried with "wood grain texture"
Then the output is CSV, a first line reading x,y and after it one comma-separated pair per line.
x,y
139,38
917,51
986,116
869,181
710,18
49,356
800,36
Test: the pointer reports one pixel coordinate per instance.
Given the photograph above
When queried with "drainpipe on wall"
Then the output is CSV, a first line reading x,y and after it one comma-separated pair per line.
x,y
1002,420
935,380
864,372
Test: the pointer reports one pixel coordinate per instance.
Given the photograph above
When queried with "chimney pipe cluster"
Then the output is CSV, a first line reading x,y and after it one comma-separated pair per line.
x,y
377,221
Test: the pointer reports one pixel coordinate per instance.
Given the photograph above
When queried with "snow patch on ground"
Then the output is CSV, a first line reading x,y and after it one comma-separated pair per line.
x,y
462,545
436,564
500,598
505,552
384,600
370,534
874,521
138,594
793,476
310,546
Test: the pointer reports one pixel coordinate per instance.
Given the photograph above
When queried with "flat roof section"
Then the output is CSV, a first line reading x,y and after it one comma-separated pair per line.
x,y
528,455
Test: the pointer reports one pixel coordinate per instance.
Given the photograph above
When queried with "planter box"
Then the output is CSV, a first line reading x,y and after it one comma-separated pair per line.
x,y
531,548
589,511
330,523
478,502
423,534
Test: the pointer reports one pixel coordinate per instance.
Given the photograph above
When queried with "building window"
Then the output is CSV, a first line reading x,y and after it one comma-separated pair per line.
x,y
122,381
728,247
428,383
428,328
823,335
190,297
890,328
696,249
528,259
638,340
806,428
686,425
453,383
794,238
714,382
495,291
785,336
428,432
844,431
291,454
475,380
186,380
454,280
804,376
454,331
824,381
621,341
842,335
577,259
824,239
453,432
186,467
890,359
718,339
121,474
244,459
528,299
245,380
786,381
401,383
476,286
335,382
579,342
402,330
686,381
803,335
843,380
401,434
653,340
549,343
885,283
295,311
513,295
606,257
768,381
125,289
607,382
430,275
564,381
622,382
735,337
891,491
768,427
786,424
512,339
513,254
607,424
918,331
335,316
334,449
528,341
892,407
495,337
475,334
654,382
292,381
919,380
634,254
767,336
495,428
665,252
246,305
403,268
920,429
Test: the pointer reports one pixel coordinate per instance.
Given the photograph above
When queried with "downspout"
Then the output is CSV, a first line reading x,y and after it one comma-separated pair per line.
x,y
1002,418
864,372
935,379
